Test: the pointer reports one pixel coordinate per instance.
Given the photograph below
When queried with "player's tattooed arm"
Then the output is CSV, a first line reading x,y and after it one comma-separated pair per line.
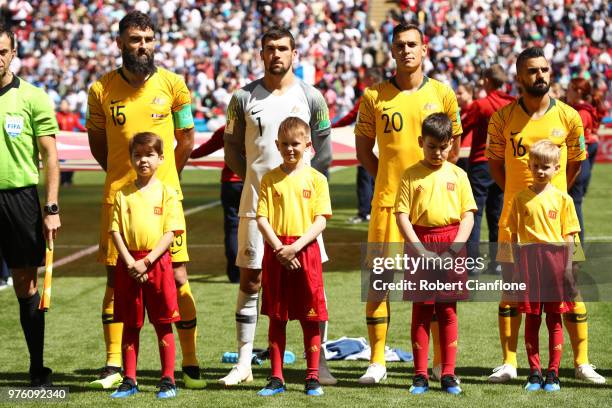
x,y
184,146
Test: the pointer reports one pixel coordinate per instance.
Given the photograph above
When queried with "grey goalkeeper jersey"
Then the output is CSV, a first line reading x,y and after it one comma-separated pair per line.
x,y
253,118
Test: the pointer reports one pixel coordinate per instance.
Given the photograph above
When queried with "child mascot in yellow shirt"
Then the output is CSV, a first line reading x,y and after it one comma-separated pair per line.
x,y
435,214
293,207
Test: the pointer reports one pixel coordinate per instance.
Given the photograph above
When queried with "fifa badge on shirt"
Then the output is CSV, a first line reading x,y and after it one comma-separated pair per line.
x,y
13,125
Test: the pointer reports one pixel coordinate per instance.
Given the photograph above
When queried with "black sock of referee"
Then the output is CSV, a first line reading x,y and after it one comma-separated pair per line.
x,y
33,325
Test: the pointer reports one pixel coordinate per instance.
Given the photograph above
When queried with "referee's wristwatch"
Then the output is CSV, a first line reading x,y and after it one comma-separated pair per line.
x,y
51,209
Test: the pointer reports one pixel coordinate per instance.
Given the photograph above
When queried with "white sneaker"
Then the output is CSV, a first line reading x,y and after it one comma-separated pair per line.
x,y
374,374
586,372
503,373
236,376
436,373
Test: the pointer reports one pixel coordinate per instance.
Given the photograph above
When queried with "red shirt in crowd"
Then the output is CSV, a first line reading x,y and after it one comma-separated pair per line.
x,y
68,121
476,120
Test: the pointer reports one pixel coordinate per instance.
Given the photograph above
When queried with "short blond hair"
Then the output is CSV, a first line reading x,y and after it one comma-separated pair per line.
x,y
545,151
293,123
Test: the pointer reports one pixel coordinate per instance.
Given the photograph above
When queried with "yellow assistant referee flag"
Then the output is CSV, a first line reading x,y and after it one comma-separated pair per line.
x,y
45,299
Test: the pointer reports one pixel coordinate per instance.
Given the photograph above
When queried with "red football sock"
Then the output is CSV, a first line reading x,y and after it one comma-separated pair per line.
x,y
312,347
532,341
447,321
129,344
167,348
276,341
555,341
419,332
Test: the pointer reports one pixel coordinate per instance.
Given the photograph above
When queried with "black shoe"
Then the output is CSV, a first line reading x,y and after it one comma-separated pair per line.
x,y
167,389
420,385
41,378
450,384
127,388
313,387
534,381
551,383
275,386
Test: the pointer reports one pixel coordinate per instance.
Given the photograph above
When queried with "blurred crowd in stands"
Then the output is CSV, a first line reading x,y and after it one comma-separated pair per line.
x,y
64,45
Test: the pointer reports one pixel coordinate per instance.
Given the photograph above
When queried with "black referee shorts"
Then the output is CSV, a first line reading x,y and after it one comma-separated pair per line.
x,y
22,243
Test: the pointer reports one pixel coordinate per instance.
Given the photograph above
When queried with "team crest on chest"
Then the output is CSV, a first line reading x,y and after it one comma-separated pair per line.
x,y
450,186
158,100
552,214
556,132
430,106
158,210
306,193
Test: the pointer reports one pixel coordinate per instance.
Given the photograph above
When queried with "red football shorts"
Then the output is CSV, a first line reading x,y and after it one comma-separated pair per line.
x,y
542,268
157,294
294,295
438,240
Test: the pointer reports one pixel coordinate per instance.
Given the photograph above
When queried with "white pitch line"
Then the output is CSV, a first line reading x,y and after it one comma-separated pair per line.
x,y
91,249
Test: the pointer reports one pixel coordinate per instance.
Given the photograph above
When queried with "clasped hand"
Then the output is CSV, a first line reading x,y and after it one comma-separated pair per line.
x,y
286,255
138,271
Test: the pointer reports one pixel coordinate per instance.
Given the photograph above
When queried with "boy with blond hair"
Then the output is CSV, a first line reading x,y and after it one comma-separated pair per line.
x,y
543,223
293,207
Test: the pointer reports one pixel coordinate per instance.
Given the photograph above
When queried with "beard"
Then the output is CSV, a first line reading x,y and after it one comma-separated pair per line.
x,y
138,64
278,69
540,88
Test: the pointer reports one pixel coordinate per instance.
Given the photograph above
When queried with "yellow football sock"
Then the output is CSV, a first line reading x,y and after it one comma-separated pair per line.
x,y
509,320
112,330
435,336
377,318
578,330
187,326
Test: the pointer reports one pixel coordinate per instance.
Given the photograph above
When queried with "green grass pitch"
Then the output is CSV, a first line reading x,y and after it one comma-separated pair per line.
x,y
74,345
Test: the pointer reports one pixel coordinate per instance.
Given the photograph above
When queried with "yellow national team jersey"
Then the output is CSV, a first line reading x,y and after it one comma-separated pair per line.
x,y
434,198
543,218
122,111
394,118
512,132
291,202
143,216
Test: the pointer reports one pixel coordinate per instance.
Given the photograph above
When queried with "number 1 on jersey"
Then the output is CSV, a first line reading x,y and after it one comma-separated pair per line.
x,y
258,119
